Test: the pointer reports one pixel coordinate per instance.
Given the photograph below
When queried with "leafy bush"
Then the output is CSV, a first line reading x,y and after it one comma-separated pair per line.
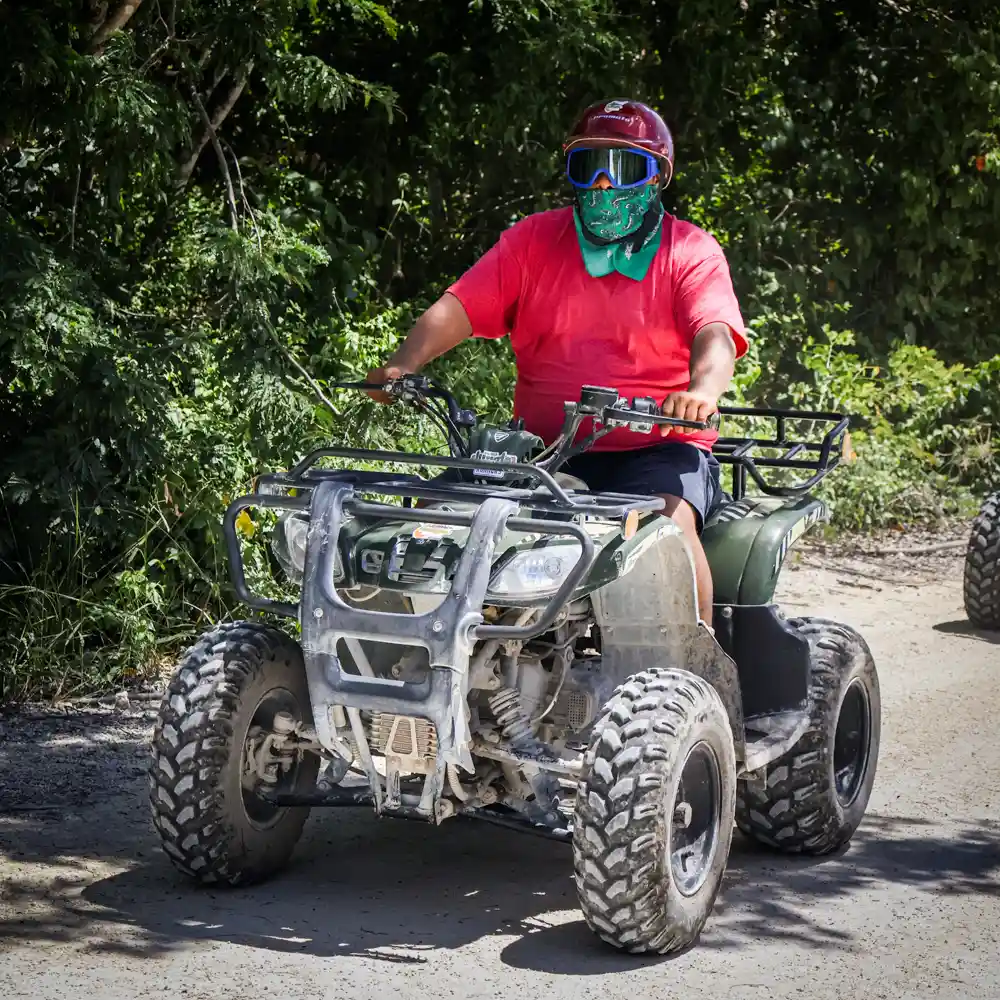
x,y
924,449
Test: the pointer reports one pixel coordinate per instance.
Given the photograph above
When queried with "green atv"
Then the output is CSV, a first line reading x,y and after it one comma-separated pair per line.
x,y
981,584
500,644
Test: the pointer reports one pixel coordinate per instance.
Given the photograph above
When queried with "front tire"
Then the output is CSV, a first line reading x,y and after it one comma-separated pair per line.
x,y
224,693
815,795
654,812
981,584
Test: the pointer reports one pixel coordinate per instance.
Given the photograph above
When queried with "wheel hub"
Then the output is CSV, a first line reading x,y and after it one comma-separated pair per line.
x,y
852,743
695,819
267,760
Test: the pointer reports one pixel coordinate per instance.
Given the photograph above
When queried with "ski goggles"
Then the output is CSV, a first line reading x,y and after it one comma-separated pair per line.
x,y
624,167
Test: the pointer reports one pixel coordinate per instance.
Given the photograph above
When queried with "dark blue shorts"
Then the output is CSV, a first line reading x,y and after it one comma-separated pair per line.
x,y
671,467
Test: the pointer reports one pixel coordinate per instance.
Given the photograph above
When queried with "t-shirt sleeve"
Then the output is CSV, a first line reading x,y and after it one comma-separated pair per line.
x,y
489,291
704,293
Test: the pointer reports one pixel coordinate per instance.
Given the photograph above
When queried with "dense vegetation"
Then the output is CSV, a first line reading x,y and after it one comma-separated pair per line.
x,y
206,204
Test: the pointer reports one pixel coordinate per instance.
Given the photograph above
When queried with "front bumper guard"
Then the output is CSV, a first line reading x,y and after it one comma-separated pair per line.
x,y
448,633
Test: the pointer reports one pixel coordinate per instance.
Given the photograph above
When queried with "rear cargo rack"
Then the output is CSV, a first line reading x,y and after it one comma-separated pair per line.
x,y
818,457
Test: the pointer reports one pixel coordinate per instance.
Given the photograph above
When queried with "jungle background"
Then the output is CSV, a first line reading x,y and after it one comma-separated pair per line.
x,y
206,203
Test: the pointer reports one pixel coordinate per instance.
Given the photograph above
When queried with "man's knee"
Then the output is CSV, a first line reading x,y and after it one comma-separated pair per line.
x,y
684,516
680,511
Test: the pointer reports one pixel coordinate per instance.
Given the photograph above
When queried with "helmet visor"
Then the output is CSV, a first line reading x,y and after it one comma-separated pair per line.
x,y
624,168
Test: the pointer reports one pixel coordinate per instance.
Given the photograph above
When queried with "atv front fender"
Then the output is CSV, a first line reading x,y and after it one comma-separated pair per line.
x,y
746,543
648,617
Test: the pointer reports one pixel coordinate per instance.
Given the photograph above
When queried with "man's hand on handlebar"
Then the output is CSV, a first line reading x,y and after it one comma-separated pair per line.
x,y
379,376
687,406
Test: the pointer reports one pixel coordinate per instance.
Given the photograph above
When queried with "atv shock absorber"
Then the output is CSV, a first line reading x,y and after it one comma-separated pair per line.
x,y
514,725
516,729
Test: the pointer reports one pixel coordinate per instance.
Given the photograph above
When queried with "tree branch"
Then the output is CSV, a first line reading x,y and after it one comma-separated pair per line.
x,y
109,25
313,384
217,146
920,550
243,195
76,199
98,10
211,126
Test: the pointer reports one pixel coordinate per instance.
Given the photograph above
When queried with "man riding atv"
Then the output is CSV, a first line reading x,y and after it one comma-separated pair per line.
x,y
615,291
512,649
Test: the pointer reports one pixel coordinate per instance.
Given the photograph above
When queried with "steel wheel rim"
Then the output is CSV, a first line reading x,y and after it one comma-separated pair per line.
x,y
259,812
852,743
695,819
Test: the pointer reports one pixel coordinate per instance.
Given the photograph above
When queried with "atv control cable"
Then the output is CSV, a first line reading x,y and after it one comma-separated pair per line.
x,y
547,451
436,417
451,430
567,660
461,793
575,633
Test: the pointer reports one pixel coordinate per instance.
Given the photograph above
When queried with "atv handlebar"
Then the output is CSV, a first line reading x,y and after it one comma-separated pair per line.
x,y
606,410
604,405
415,389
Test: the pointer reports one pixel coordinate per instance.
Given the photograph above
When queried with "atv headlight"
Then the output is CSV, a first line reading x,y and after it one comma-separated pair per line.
x,y
288,543
536,572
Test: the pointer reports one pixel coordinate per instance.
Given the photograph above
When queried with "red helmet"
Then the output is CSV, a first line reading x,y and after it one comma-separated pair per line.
x,y
624,123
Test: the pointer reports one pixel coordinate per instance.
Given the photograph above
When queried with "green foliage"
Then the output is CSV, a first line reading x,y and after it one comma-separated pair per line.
x,y
926,447
164,286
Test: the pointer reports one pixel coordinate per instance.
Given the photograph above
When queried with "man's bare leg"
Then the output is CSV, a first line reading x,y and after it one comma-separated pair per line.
x,y
683,515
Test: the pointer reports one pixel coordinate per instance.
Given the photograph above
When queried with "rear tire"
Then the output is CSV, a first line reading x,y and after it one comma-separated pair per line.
x,y
654,812
981,585
817,793
211,825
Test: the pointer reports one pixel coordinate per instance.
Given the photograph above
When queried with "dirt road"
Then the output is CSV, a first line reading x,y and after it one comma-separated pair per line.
x,y
90,908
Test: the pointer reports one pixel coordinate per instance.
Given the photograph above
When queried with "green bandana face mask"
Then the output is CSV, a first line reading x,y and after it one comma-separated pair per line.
x,y
614,215
611,214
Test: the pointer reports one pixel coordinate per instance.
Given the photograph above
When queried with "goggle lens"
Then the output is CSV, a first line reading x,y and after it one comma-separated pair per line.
x,y
625,168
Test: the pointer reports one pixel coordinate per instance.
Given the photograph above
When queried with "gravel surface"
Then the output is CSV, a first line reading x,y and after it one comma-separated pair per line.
x,y
371,909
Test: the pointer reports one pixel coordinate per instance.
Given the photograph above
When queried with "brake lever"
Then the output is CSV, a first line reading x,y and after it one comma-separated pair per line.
x,y
620,416
363,386
396,388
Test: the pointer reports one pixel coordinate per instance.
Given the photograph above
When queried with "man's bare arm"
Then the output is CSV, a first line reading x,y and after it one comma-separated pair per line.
x,y
443,326
713,362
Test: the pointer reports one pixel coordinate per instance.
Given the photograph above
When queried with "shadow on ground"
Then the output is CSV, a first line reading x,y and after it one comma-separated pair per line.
x,y
967,630
398,892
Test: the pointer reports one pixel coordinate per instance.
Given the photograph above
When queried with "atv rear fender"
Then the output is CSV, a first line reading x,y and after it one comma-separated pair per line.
x,y
746,543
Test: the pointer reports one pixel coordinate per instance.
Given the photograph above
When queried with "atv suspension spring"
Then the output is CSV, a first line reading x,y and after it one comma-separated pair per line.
x,y
513,722
516,729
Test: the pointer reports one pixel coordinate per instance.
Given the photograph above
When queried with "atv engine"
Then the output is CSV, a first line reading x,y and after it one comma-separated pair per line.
x,y
548,690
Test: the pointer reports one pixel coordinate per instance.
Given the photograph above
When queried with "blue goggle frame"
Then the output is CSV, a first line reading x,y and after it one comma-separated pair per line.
x,y
619,164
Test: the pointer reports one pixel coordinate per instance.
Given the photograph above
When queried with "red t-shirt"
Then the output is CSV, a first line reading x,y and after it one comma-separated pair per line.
x,y
568,329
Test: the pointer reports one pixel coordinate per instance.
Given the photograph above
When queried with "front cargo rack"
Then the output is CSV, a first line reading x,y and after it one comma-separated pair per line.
x,y
548,497
291,490
818,457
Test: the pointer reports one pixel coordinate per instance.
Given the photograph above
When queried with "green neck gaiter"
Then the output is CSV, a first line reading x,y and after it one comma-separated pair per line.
x,y
619,230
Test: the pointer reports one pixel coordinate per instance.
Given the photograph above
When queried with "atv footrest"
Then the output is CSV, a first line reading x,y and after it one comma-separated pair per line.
x,y
770,736
512,821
